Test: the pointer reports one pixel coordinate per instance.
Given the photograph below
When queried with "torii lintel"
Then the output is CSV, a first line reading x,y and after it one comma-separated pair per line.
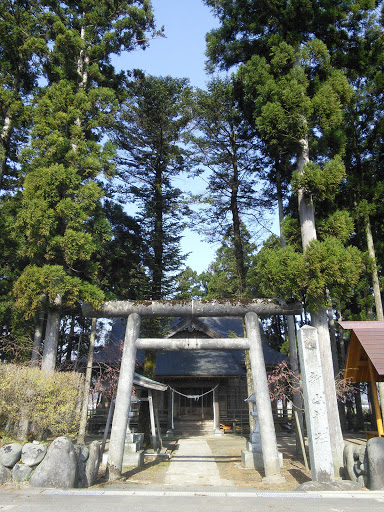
x,y
193,308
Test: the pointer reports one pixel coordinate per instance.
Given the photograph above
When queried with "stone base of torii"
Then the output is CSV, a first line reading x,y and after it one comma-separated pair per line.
x,y
249,309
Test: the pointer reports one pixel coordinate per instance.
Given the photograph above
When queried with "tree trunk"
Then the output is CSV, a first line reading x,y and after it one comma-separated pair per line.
x,y
37,339
52,330
5,138
82,70
320,321
335,359
332,334
158,236
6,131
236,224
87,385
68,352
297,398
341,342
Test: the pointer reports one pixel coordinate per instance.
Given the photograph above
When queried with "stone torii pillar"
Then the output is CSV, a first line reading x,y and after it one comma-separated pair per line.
x,y
123,398
263,401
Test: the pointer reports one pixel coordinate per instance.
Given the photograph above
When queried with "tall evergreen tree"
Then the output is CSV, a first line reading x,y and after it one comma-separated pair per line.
x,y
23,43
122,271
149,135
226,145
290,56
60,216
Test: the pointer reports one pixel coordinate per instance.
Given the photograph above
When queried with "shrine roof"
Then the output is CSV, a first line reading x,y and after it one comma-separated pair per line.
x,y
367,342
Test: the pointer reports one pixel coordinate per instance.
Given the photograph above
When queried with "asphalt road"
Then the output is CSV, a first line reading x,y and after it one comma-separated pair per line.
x,y
199,500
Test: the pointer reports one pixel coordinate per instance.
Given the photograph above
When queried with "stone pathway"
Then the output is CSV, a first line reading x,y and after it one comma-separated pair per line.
x,y
193,464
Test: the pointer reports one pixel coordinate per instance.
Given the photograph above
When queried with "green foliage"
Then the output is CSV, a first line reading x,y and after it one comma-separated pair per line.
x,y
121,269
277,272
338,224
23,45
53,282
56,77
56,206
98,30
290,227
222,279
191,285
50,402
330,265
320,181
325,265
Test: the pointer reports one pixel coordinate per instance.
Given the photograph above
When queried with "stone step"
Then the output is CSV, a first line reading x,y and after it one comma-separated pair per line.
x,y
189,427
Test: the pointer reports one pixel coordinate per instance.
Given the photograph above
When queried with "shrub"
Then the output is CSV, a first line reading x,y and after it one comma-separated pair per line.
x,y
50,402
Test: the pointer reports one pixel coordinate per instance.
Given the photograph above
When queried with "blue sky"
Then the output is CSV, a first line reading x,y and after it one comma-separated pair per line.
x,y
181,52
181,55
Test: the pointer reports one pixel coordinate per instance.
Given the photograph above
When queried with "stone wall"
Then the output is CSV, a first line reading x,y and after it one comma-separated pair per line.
x,y
63,465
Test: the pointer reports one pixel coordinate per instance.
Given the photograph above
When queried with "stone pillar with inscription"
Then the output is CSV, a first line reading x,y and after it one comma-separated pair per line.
x,y
316,415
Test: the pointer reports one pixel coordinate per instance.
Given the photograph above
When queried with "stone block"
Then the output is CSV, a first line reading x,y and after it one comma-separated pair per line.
x,y
134,437
316,415
169,434
134,459
129,437
131,447
93,463
375,453
33,453
5,474
254,447
82,454
355,463
254,459
10,454
21,472
59,466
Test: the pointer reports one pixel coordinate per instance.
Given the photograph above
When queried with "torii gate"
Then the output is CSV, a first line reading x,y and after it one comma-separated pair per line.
x,y
249,309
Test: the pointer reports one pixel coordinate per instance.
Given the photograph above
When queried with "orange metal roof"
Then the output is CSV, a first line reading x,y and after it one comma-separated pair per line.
x,y
367,341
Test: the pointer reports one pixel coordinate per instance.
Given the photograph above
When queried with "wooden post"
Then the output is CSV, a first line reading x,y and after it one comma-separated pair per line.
x,y
173,409
301,439
170,425
157,422
152,416
379,420
216,412
108,424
